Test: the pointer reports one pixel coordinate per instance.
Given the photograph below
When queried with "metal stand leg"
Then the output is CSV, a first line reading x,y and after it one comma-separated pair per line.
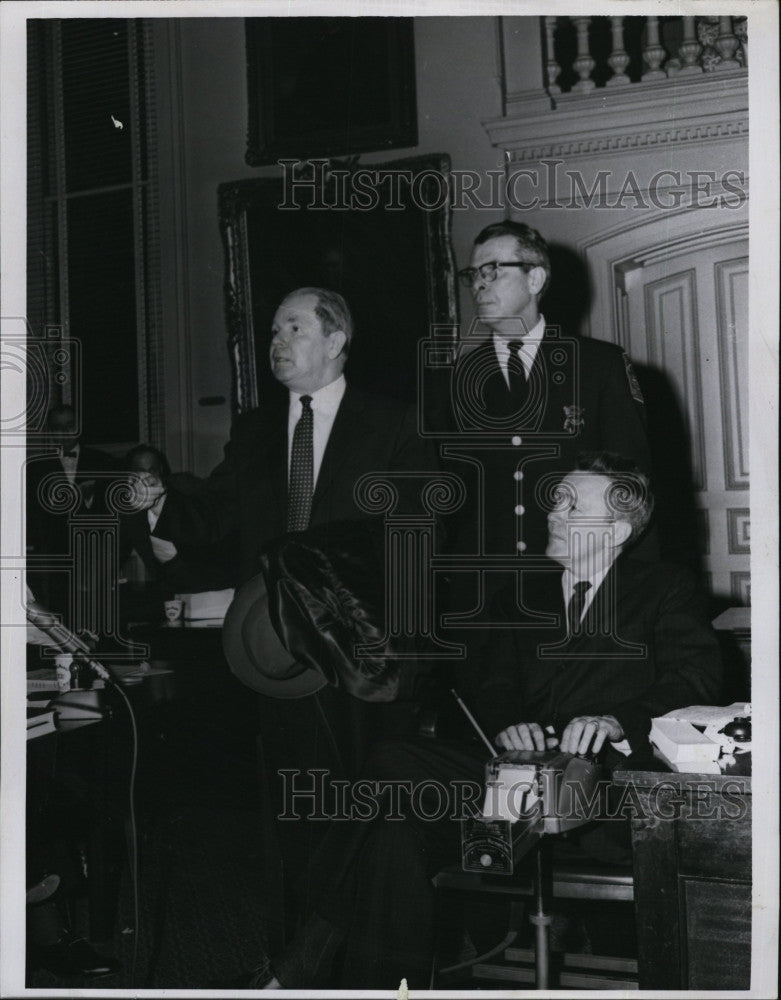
x,y
541,921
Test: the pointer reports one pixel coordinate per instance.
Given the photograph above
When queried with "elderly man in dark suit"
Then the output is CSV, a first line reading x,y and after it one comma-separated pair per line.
x,y
622,640
293,464
618,641
344,433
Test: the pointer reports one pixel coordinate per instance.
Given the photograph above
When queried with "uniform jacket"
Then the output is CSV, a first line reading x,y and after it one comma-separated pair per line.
x,y
583,396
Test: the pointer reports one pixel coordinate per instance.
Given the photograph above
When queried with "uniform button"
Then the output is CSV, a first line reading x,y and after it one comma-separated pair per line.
x,y
518,476
520,509
521,546
515,440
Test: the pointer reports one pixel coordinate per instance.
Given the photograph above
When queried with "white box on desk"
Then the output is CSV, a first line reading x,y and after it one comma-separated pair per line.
x,y
679,741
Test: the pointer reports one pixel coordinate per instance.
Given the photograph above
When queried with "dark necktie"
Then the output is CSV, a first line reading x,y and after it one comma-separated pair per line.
x,y
516,374
576,605
299,500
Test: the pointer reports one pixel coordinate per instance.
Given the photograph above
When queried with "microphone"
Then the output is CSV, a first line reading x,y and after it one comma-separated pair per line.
x,y
64,638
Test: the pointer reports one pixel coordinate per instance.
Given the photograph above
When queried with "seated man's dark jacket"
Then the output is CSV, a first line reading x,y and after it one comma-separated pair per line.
x,y
674,662
248,490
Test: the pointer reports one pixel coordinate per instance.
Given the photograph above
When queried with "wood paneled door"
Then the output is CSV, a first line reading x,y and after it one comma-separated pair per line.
x,y
680,310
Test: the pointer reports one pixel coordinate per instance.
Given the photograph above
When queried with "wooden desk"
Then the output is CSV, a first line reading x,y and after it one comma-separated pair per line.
x,y
692,876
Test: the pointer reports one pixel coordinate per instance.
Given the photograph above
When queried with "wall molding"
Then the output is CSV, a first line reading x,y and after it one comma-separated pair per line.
x,y
679,291
739,530
736,471
624,120
740,587
695,133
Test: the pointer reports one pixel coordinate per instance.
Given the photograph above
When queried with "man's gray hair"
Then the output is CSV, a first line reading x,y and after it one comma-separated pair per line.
x,y
529,244
333,312
629,497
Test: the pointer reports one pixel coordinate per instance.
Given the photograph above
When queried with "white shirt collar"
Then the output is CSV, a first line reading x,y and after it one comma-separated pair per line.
x,y
531,343
568,581
325,400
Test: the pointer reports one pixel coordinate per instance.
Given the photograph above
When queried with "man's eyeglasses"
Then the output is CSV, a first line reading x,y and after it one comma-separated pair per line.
x,y
488,271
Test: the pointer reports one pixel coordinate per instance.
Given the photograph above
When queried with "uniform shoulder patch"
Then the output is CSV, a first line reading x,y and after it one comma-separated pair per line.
x,y
634,385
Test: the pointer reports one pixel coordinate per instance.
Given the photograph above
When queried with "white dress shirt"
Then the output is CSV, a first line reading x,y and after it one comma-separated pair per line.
x,y
162,549
70,463
568,581
531,344
325,403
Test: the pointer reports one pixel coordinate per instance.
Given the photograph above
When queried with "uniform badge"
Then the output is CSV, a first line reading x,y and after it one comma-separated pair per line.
x,y
573,419
634,385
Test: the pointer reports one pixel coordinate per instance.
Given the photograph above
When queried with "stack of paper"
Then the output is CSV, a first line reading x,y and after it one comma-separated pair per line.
x,y
42,679
40,720
708,715
683,747
209,604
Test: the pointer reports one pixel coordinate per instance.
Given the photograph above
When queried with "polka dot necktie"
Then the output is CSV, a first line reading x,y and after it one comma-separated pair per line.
x,y
301,488
516,374
576,604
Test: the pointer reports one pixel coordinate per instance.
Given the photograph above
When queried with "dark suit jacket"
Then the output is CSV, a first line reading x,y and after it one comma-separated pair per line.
x,y
583,397
249,488
652,650
47,528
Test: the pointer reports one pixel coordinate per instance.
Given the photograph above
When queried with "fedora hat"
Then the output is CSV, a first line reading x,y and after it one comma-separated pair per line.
x,y
255,652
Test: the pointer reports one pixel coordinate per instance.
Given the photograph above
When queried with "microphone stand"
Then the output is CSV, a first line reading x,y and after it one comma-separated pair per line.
x,y
65,639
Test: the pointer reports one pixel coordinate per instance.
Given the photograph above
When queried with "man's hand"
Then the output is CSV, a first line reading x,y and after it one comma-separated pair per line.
x,y
526,736
587,733
146,490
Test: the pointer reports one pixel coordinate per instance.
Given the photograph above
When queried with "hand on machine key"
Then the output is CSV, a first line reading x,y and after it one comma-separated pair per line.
x,y
584,735
527,736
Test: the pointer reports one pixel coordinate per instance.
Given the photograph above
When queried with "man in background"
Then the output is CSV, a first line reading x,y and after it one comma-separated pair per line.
x,y
161,530
68,483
